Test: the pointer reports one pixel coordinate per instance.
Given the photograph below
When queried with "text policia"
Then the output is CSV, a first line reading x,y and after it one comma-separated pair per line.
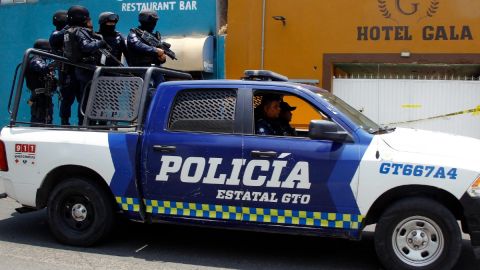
x,y
268,174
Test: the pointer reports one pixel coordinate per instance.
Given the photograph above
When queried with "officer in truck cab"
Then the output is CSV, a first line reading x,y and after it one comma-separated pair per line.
x,y
285,118
140,53
267,116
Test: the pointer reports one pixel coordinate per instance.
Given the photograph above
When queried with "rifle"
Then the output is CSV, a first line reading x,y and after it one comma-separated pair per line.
x,y
105,52
155,41
50,84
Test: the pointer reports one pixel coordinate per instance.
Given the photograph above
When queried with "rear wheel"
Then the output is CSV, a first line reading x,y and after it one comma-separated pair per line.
x,y
418,233
80,212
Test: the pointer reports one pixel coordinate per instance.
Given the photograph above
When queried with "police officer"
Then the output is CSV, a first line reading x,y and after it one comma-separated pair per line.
x,y
81,45
41,81
69,87
285,118
117,43
56,38
140,53
268,122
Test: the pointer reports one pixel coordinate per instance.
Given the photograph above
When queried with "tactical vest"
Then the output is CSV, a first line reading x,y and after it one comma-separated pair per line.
x,y
136,59
34,79
71,49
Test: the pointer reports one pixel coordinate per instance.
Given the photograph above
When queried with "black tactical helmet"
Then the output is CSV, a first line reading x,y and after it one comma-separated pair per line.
x,y
147,17
78,16
42,44
107,17
60,19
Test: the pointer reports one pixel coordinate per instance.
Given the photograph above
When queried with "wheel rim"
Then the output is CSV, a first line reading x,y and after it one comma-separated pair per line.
x,y
77,212
418,241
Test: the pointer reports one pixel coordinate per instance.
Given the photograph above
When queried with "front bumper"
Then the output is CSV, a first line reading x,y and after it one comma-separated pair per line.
x,y
471,211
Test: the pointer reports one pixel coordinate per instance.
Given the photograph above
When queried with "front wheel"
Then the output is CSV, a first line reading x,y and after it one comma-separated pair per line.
x,y
80,212
418,233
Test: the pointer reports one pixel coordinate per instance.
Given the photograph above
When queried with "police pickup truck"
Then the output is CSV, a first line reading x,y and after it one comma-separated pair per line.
x,y
186,152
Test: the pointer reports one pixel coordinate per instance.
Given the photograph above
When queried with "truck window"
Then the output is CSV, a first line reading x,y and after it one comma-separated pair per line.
x,y
204,110
293,118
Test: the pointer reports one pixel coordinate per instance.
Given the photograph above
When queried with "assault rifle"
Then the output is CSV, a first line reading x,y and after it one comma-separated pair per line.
x,y
154,40
50,85
105,52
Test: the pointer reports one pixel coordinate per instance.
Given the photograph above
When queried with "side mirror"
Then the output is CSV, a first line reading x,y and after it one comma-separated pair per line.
x,y
328,130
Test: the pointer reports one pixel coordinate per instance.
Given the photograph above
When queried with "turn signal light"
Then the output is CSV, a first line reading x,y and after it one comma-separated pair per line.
x,y
474,190
3,158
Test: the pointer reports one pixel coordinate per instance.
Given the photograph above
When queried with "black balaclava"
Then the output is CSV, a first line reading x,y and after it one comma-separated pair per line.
x,y
107,30
148,20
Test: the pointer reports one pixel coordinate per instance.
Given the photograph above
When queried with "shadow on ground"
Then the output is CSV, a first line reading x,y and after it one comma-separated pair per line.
x,y
213,247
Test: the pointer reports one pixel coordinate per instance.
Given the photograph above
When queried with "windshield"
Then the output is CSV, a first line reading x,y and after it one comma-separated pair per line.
x,y
355,116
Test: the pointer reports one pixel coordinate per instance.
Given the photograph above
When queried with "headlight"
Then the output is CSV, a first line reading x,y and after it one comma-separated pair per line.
x,y
474,190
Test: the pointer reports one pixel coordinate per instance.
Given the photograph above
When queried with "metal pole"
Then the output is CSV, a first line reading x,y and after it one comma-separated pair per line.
x,y
18,93
262,65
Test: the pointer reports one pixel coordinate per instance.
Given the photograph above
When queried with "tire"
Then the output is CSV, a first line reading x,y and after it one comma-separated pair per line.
x,y
80,212
418,233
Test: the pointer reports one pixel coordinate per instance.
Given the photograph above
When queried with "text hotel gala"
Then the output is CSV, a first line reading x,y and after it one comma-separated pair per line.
x,y
413,63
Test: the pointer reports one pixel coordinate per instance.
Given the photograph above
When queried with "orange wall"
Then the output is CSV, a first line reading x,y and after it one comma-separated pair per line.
x,y
303,113
316,27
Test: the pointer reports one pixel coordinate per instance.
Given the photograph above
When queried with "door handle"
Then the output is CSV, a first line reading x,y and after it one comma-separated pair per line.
x,y
262,154
165,148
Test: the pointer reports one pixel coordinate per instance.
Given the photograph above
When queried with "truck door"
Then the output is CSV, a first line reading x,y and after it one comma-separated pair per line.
x,y
295,180
192,138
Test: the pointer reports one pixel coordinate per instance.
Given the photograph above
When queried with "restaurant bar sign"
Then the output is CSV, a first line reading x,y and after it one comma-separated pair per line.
x,y
394,10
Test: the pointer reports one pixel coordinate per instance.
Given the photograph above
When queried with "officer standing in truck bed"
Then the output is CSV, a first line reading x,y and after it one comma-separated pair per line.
x,y
82,46
140,53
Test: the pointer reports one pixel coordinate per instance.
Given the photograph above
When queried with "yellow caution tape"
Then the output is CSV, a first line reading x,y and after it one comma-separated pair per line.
x,y
475,112
411,106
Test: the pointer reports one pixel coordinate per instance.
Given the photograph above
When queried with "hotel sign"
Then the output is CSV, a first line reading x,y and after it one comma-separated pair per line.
x,y
420,10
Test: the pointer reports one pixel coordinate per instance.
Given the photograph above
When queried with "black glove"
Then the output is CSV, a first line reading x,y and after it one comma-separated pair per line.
x,y
103,44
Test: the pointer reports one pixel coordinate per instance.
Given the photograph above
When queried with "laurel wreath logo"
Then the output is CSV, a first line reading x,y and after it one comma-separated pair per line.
x,y
432,9
382,6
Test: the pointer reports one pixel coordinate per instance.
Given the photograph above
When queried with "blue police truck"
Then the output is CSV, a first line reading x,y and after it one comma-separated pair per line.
x,y
159,147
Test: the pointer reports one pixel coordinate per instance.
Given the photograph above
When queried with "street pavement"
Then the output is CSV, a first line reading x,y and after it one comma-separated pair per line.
x,y
26,243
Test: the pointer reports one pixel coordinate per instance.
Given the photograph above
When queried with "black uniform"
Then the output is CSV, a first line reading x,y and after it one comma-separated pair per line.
x,y
115,40
118,47
41,81
286,129
285,118
139,52
265,126
69,87
82,45
59,20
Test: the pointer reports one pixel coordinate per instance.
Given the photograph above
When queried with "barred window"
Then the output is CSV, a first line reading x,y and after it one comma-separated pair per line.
x,y
114,98
204,110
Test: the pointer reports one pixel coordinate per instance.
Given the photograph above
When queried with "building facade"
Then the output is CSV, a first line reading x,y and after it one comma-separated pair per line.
x,y
412,63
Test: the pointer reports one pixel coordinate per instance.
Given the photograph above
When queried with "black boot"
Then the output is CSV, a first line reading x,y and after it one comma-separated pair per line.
x,y
65,122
